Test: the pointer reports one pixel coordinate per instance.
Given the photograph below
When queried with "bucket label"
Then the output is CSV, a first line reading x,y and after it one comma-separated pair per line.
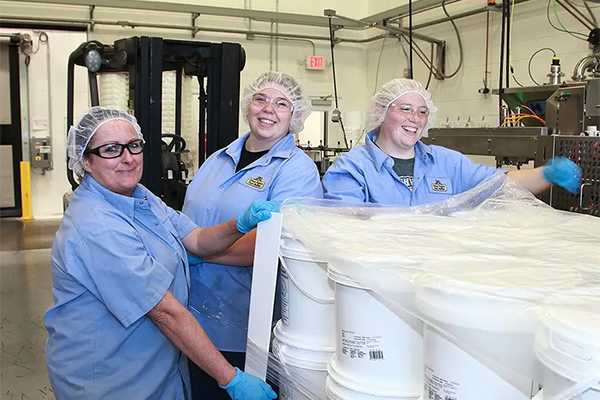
x,y
361,347
438,388
284,282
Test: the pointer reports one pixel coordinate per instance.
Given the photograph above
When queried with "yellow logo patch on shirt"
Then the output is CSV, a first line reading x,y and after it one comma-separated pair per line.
x,y
256,182
438,186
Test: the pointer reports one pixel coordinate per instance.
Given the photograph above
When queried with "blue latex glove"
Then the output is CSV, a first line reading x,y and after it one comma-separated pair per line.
x,y
247,387
194,259
260,210
563,172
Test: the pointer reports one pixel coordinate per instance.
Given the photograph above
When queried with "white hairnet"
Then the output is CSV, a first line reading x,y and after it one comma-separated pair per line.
x,y
81,133
389,92
289,87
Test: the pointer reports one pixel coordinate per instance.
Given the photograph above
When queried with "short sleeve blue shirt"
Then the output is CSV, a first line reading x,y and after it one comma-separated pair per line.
x,y
366,174
220,294
113,259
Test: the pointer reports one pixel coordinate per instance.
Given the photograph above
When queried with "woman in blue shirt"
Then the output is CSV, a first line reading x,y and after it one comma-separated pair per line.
x,y
119,327
263,164
394,167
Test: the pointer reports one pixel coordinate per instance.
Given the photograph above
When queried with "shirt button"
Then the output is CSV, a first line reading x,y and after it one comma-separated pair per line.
x,y
208,211
141,202
156,223
222,188
145,197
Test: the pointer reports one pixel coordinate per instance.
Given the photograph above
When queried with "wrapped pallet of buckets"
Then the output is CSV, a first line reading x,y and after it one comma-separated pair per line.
x,y
490,295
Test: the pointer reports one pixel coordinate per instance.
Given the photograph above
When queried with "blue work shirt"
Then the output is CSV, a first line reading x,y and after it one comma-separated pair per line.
x,y
366,174
113,260
220,294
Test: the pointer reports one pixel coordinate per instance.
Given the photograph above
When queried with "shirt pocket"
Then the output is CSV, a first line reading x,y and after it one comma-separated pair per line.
x,y
255,181
439,185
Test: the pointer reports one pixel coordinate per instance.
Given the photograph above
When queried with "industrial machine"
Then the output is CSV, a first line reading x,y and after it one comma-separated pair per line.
x,y
217,67
567,117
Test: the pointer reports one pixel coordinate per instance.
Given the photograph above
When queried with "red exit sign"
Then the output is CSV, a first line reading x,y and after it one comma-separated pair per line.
x,y
314,62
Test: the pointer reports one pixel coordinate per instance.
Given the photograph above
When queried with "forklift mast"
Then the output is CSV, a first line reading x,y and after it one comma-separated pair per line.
x,y
217,66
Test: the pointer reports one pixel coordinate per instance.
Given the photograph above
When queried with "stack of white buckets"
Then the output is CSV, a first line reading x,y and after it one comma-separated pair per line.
x,y
304,338
343,340
346,341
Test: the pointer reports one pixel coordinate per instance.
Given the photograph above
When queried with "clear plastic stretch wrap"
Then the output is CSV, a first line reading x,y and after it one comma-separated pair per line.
x,y
486,269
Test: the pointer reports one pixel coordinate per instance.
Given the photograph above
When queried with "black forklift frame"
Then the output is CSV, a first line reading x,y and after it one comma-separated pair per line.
x,y
217,66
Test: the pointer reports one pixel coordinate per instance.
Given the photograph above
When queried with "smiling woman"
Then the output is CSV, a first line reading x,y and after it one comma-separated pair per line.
x,y
394,167
120,272
263,164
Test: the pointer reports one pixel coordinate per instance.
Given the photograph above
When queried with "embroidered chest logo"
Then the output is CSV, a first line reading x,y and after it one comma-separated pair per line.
x,y
256,182
438,186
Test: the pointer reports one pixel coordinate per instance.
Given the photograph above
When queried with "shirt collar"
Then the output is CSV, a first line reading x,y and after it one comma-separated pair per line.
x,y
282,149
422,151
125,204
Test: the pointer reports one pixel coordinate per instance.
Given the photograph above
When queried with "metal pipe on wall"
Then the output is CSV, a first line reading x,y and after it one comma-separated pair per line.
x,y
502,37
508,39
84,23
585,22
453,17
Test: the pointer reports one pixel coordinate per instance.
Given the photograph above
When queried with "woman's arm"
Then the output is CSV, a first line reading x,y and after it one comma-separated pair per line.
x,y
240,254
218,238
558,170
531,179
212,240
187,335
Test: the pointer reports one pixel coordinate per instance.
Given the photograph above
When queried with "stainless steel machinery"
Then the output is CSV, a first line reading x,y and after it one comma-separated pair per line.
x,y
569,110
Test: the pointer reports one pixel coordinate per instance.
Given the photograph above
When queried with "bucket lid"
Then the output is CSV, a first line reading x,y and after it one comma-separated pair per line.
x,y
567,350
300,343
373,387
293,354
293,248
575,314
491,298
339,277
305,359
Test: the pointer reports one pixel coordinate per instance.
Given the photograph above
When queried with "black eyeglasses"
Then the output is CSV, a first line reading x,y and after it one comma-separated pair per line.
x,y
114,150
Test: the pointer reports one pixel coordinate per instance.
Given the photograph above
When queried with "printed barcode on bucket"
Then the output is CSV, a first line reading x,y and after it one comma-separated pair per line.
x,y
375,355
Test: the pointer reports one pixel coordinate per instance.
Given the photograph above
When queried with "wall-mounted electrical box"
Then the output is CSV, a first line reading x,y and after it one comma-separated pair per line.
x,y
41,152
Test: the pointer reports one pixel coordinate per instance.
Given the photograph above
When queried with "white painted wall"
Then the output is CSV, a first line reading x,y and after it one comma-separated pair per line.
x,y
458,97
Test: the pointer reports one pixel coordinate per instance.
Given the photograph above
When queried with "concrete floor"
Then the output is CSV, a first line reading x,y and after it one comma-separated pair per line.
x,y
25,294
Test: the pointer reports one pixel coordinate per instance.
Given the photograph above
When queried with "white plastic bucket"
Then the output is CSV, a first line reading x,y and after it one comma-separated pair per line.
x,y
377,352
305,370
307,296
451,373
501,329
569,350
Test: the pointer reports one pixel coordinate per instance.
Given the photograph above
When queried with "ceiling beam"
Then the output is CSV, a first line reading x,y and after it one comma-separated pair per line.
x,y
257,15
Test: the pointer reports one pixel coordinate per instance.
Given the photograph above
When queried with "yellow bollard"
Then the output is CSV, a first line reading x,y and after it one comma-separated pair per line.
x,y
26,190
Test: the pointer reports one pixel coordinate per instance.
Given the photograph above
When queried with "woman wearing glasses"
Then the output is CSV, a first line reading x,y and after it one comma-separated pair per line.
x,y
394,167
262,164
119,327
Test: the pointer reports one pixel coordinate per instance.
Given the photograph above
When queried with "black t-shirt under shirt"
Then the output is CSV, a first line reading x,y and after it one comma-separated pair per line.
x,y
405,170
248,157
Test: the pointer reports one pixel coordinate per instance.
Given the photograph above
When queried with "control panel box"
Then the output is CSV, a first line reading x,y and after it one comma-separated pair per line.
x,y
41,152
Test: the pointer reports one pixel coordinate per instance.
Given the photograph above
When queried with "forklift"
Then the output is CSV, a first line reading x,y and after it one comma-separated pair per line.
x,y
217,66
